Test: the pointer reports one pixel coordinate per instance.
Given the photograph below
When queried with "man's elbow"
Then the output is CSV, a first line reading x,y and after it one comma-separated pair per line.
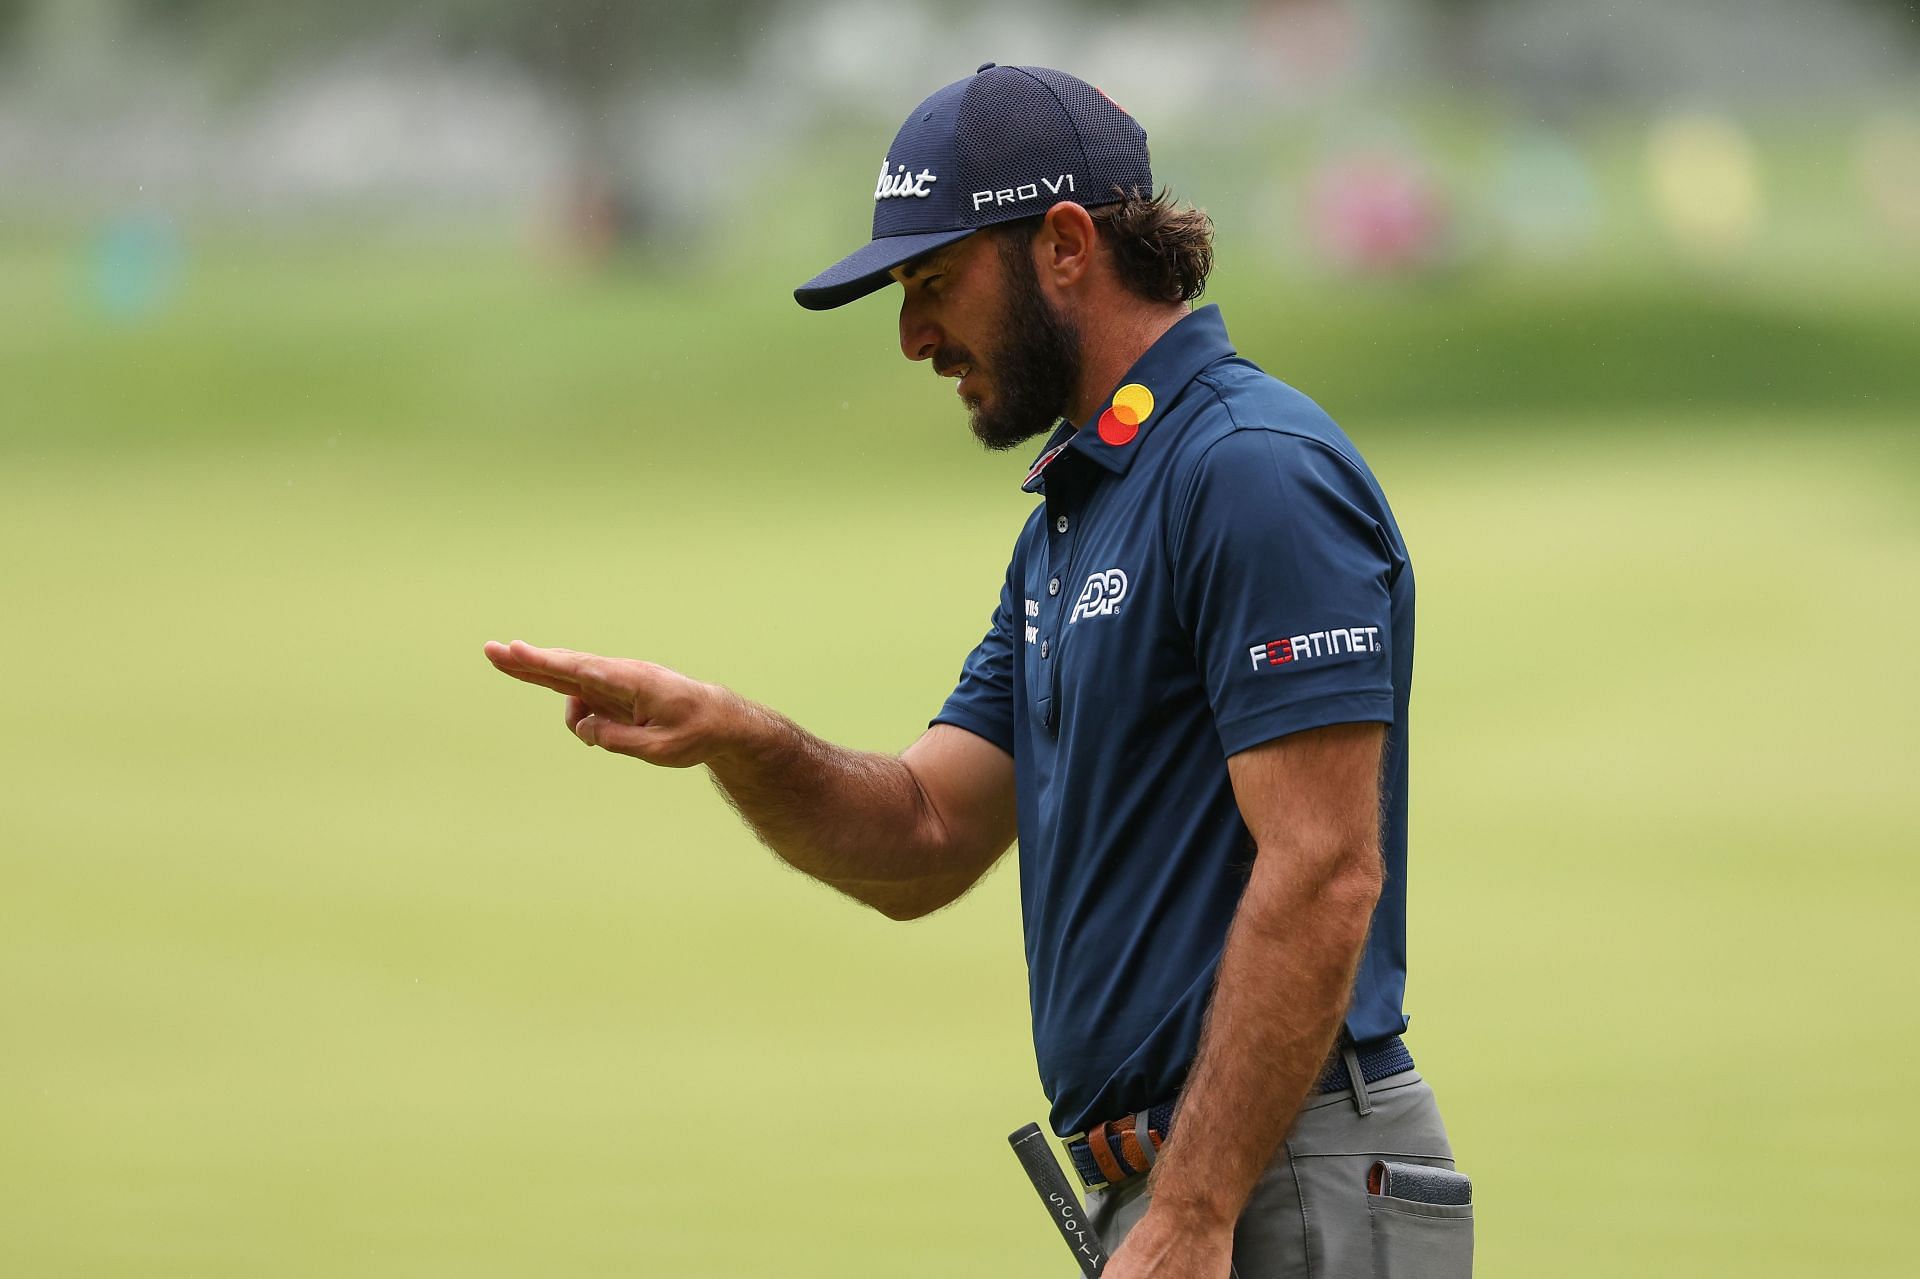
x,y
1358,876
902,911
1342,883
917,901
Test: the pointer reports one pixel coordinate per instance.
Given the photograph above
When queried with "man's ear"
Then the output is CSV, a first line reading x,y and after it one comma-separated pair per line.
x,y
1065,248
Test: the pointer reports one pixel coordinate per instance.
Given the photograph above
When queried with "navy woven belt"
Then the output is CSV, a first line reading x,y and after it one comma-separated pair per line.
x,y
1114,1150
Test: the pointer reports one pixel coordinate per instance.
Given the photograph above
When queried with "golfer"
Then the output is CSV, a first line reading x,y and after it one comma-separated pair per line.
x,y
1190,708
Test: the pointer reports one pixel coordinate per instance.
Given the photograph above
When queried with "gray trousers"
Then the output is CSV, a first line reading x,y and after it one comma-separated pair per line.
x,y
1311,1217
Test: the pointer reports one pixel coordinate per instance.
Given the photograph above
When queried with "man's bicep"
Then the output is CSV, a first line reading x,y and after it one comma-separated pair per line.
x,y
968,784
1312,792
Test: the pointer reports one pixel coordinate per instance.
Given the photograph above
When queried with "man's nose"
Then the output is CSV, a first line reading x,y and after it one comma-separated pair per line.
x,y
919,336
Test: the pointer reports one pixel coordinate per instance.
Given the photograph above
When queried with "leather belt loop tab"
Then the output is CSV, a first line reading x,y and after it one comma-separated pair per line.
x,y
1103,1154
1356,1078
1144,1134
1134,1143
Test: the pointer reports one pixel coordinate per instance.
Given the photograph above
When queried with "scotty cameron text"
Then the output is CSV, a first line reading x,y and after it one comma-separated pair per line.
x,y
1070,1227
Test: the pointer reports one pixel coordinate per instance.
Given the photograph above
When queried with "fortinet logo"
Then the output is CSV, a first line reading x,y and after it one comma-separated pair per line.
x,y
1101,595
901,183
1301,648
1025,191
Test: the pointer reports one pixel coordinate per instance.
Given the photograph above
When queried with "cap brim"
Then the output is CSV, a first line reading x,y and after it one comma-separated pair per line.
x,y
866,268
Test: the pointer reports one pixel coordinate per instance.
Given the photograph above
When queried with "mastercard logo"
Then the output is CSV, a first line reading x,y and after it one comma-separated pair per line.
x,y
1132,405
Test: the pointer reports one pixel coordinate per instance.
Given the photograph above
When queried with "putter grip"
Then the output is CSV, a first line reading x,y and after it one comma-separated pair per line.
x,y
1069,1218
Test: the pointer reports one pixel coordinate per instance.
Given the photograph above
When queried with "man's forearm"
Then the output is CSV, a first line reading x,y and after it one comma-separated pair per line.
x,y
1285,978
855,820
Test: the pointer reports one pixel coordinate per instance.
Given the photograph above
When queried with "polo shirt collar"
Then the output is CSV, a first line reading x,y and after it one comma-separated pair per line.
x,y
1111,437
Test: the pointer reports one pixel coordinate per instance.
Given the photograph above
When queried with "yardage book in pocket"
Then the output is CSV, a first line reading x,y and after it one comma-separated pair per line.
x,y
1421,1219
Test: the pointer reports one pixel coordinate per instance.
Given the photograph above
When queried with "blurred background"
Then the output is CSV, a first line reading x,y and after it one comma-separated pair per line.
x,y
335,340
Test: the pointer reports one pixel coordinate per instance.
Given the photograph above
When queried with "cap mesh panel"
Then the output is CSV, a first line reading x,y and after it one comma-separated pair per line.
x,y
1115,144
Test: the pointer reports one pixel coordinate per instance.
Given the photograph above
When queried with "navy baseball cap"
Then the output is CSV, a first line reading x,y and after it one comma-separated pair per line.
x,y
1004,143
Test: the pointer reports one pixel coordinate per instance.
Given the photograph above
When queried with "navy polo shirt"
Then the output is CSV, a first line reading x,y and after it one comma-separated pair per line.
x,y
1212,567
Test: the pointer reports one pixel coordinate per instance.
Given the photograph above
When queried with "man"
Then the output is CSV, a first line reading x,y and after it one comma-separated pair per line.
x,y
1191,707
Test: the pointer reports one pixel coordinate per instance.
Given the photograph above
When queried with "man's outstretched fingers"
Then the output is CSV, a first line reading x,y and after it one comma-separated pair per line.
x,y
607,684
623,705
508,662
554,661
544,680
598,678
619,705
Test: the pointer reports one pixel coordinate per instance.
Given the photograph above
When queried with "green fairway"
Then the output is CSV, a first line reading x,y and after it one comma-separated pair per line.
x,y
325,950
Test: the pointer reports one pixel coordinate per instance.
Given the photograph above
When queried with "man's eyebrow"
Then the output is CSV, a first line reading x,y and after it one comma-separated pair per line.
x,y
930,258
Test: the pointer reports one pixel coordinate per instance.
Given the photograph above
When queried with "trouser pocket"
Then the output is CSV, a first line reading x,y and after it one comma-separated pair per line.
x,y
1420,1240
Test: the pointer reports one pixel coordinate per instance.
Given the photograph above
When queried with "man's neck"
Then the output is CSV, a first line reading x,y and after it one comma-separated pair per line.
x,y
1107,354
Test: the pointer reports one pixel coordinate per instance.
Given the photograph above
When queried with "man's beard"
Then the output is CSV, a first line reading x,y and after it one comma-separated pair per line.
x,y
1035,365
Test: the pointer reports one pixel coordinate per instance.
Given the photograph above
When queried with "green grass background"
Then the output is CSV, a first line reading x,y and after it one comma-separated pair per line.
x,y
325,950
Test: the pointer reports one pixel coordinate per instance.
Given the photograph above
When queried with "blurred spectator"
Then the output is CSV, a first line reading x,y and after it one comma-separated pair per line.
x,y
1543,197
1377,213
1705,183
134,266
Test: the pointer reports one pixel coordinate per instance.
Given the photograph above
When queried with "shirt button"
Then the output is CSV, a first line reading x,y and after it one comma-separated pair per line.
x,y
1060,525
1053,587
1044,646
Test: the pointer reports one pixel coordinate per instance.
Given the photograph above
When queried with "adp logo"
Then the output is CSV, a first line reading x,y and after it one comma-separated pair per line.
x,y
1101,595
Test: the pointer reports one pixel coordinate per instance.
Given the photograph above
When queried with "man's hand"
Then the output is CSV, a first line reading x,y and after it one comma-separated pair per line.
x,y
628,707
905,834
1165,1246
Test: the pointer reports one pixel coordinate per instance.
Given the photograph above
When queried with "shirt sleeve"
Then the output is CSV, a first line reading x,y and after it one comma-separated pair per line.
x,y
1284,562
982,703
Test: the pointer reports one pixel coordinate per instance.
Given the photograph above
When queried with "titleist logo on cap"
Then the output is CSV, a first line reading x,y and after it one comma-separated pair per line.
x,y
903,183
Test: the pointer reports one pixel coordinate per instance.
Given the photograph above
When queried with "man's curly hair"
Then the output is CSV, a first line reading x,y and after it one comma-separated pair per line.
x,y
1163,249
